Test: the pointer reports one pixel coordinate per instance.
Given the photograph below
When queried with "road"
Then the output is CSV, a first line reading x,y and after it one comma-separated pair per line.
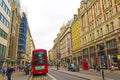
x,y
55,75
42,77
63,76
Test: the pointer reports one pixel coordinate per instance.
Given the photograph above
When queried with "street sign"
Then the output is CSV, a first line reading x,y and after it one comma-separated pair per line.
x,y
58,55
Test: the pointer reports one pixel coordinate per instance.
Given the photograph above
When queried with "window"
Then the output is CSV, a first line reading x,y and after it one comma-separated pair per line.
x,y
0,31
109,3
4,20
100,20
0,16
10,1
7,24
112,26
107,28
85,51
92,49
0,50
119,21
111,44
3,5
93,35
98,33
107,16
3,34
1,2
111,13
119,7
90,37
101,31
4,50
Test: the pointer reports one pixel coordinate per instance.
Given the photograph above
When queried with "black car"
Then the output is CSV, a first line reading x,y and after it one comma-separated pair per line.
x,y
72,67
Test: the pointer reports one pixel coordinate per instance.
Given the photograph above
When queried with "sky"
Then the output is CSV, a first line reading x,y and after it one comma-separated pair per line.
x,y
45,18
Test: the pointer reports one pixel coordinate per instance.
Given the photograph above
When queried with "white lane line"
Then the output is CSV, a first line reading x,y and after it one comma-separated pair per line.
x,y
53,78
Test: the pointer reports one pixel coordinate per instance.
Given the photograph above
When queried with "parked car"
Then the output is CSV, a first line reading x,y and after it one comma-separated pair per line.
x,y
72,67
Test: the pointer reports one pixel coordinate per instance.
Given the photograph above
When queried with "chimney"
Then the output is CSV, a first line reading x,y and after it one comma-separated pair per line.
x,y
75,16
78,11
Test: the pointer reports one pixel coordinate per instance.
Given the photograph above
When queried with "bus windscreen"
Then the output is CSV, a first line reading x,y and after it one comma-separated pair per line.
x,y
39,58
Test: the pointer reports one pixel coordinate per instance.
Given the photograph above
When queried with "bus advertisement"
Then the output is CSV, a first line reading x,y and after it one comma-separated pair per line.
x,y
39,62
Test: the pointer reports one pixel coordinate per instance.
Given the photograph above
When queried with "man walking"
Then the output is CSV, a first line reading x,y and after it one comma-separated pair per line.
x,y
9,72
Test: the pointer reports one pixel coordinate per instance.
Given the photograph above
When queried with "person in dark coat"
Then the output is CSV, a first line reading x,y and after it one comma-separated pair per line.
x,y
9,72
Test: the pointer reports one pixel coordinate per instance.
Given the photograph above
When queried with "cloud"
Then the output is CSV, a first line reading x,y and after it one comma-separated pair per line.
x,y
45,17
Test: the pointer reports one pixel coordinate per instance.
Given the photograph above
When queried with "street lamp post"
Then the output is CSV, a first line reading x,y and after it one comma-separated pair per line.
x,y
58,57
101,47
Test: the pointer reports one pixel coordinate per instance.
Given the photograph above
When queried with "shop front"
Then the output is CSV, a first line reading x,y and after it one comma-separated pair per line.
x,y
113,57
93,60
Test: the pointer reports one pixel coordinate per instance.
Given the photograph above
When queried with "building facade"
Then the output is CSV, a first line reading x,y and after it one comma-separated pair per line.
x,y
13,33
22,39
97,23
5,13
65,45
75,39
30,46
100,25
54,52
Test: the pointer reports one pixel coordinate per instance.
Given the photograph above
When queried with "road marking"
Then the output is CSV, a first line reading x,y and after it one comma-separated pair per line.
x,y
31,76
53,78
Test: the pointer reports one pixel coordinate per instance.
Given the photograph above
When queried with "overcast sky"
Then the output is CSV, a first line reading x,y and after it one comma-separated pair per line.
x,y
45,17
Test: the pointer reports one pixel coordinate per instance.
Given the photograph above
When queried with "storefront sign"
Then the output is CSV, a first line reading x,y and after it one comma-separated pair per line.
x,y
118,57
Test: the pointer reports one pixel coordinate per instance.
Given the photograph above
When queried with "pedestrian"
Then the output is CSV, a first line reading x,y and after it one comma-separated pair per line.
x,y
111,67
94,66
9,72
27,69
18,68
98,68
3,71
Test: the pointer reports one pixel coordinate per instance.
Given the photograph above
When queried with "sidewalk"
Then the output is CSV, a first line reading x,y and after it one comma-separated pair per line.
x,y
115,72
16,76
86,76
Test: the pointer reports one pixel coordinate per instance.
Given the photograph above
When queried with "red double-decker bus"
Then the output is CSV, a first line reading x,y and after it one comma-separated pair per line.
x,y
39,62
